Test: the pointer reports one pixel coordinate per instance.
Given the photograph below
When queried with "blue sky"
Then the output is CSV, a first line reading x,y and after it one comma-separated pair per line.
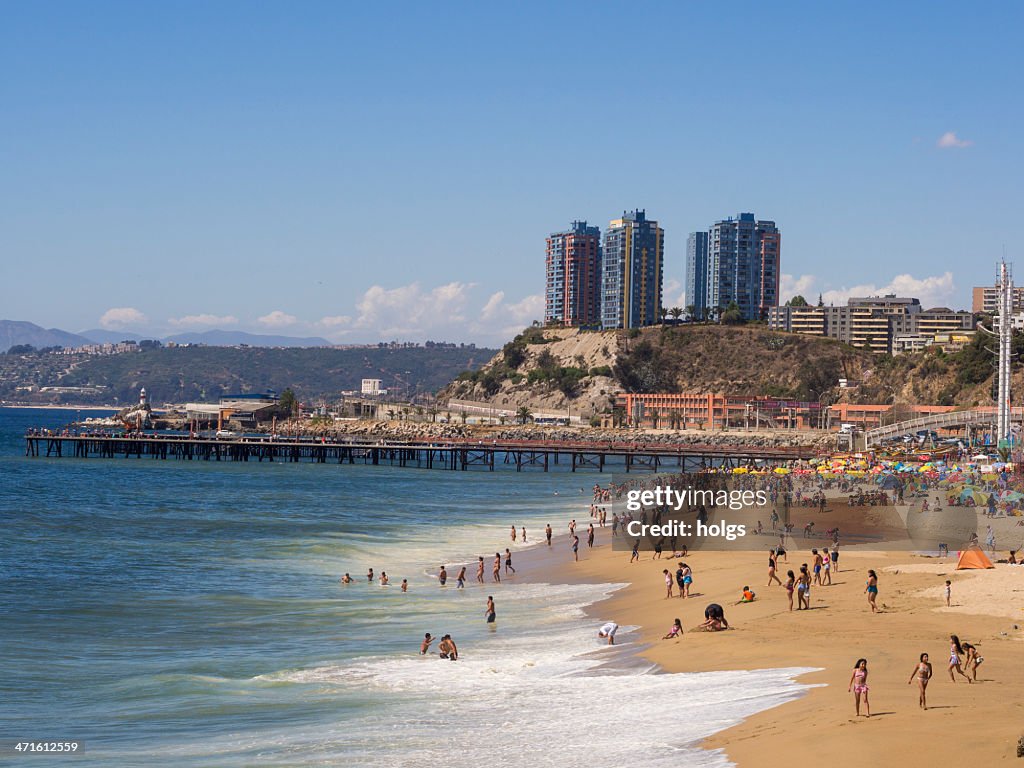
x,y
390,170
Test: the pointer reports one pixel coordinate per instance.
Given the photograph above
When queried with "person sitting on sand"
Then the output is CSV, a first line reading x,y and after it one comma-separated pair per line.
x,y
748,596
675,631
714,619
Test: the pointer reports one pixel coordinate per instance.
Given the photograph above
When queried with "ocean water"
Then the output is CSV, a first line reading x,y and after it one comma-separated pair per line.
x,y
190,614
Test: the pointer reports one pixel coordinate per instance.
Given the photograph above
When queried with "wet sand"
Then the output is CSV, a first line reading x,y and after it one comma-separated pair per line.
x,y
964,722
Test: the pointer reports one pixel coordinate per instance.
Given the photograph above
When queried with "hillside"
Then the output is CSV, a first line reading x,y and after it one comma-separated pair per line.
x,y
559,369
18,332
202,373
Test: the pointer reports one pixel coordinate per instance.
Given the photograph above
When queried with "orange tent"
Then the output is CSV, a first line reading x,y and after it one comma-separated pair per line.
x,y
973,558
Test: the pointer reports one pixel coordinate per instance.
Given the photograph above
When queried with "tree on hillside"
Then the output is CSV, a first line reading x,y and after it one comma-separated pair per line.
x,y
676,313
798,301
732,315
524,414
288,404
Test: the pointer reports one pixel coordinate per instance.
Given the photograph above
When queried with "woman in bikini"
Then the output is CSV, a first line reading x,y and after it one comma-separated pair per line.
x,y
872,589
972,660
790,586
773,563
955,652
859,686
922,673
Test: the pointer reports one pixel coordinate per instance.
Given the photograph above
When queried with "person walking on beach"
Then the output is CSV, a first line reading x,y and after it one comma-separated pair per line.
x,y
922,673
773,562
590,536
496,570
460,580
859,686
636,552
871,587
835,555
955,652
524,534
817,566
508,562
513,534
547,533
668,583
972,660
575,548
790,586
826,568
442,576
490,613
480,569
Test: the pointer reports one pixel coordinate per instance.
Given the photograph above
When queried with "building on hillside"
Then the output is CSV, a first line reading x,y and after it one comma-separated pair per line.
x,y
632,266
697,273
877,322
572,292
372,388
986,299
743,265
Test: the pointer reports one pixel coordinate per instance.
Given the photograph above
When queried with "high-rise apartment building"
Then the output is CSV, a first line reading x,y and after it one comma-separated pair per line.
x,y
743,265
573,287
631,272
697,272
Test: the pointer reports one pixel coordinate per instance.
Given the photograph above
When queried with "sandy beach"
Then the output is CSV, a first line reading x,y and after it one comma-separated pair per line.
x,y
964,721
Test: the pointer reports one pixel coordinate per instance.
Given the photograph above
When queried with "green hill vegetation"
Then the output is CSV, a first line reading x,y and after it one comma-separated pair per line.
x,y
199,373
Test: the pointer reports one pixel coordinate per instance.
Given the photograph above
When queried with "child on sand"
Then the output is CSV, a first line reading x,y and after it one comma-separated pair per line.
x,y
668,583
871,587
948,590
859,686
922,673
748,596
790,586
955,652
675,631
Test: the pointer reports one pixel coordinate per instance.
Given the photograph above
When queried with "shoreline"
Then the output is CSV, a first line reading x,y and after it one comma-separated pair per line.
x,y
964,721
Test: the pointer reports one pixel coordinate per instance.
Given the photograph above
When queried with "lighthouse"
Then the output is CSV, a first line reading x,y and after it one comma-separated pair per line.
x,y
142,397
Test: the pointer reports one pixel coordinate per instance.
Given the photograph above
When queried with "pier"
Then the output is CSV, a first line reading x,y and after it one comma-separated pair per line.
x,y
459,455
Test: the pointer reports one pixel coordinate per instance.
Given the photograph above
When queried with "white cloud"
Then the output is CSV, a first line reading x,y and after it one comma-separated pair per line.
x,y
277,319
409,309
334,321
673,294
500,320
192,321
119,318
790,286
949,140
933,291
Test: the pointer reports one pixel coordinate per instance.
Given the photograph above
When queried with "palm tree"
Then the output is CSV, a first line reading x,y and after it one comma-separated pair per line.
x,y
464,416
691,311
662,313
523,414
676,313
434,410
391,414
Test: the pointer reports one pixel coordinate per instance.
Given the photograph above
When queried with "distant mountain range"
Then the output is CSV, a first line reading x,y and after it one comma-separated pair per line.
x,y
15,332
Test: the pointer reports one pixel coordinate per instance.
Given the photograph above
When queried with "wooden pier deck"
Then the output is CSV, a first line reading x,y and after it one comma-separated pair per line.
x,y
451,455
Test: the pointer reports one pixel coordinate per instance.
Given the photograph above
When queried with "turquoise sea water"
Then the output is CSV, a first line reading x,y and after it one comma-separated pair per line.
x,y
183,613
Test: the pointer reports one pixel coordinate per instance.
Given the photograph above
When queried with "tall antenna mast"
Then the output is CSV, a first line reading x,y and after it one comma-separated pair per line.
x,y
1005,286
